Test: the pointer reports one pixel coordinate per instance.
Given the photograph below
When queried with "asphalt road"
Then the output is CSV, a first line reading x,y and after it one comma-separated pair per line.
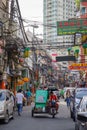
x,y
62,121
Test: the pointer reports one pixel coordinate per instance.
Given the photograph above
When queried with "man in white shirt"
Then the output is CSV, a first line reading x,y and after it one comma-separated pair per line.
x,y
19,100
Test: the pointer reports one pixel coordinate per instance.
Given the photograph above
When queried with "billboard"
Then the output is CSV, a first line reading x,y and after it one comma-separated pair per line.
x,y
72,26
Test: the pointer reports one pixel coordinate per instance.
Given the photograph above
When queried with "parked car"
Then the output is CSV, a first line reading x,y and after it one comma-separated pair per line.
x,y
81,120
75,100
6,105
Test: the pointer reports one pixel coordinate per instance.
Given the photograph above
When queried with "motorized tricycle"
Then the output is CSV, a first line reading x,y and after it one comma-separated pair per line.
x,y
42,104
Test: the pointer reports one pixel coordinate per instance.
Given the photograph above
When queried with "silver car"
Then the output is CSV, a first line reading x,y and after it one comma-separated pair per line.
x,y
75,100
81,120
6,105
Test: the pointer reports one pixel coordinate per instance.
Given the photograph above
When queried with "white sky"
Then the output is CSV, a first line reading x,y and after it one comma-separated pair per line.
x,y
32,10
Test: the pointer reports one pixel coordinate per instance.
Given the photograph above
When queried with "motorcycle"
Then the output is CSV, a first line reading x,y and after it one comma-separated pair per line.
x,y
53,110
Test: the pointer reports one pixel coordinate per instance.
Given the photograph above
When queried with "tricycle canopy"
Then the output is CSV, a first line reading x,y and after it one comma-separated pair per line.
x,y
41,98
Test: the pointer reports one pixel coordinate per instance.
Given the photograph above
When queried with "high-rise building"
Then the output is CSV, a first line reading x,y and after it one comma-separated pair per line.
x,y
50,18
53,11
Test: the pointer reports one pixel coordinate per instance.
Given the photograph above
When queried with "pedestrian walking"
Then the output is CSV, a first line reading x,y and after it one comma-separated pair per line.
x,y
28,96
19,100
68,97
62,93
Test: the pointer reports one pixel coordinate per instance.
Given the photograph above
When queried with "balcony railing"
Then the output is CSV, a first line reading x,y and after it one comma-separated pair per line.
x,y
84,15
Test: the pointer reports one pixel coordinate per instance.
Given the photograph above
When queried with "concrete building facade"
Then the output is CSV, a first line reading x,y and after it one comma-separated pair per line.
x,y
53,11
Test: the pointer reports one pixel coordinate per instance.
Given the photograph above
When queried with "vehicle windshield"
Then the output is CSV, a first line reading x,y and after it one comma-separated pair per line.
x,y
80,94
2,96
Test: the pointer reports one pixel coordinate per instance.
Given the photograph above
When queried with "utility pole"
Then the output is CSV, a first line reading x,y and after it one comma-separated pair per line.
x,y
34,57
11,15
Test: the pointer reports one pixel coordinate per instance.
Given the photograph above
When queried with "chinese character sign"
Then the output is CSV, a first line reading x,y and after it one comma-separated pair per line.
x,y
72,26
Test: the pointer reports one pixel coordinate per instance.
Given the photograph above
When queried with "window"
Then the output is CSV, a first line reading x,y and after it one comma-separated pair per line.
x,y
83,10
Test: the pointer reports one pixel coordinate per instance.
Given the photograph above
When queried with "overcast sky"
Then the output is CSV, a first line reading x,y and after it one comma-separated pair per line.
x,y
32,10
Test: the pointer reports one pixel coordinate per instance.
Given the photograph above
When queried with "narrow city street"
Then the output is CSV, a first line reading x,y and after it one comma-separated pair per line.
x,y
43,57
62,121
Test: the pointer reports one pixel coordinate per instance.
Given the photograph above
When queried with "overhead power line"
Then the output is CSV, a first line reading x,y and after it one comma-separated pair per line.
x,y
33,22
21,23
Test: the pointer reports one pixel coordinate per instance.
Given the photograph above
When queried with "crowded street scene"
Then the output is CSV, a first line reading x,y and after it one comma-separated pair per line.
x,y
43,65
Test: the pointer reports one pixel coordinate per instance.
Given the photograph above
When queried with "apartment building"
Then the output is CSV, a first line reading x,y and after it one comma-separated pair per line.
x,y
53,11
83,9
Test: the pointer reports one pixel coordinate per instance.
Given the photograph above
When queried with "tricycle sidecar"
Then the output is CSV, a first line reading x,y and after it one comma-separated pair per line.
x,y
41,104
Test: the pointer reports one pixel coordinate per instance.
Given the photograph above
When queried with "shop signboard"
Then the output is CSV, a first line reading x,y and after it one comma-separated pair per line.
x,y
83,0
78,66
72,26
65,58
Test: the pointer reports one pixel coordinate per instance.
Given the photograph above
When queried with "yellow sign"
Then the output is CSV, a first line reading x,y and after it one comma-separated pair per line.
x,y
78,66
77,3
